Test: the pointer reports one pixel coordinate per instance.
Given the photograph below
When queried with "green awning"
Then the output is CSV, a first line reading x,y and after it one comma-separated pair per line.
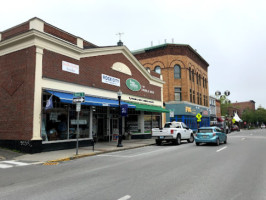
x,y
143,107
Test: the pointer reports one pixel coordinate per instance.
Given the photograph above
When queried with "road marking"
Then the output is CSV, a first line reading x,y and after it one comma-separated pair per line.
x,y
243,138
221,149
125,197
4,166
13,162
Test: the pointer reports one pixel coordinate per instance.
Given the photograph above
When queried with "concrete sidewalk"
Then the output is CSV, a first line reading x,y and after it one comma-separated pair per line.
x,y
70,154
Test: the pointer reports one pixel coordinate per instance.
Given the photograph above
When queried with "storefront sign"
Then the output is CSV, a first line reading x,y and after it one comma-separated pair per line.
x,y
110,80
205,112
146,90
140,100
70,67
188,109
133,84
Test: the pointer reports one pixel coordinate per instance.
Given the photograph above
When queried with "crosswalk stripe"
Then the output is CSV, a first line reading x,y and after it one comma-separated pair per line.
x,y
4,166
15,163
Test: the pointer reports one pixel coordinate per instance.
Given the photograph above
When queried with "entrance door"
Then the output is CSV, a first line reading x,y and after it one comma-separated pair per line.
x,y
114,129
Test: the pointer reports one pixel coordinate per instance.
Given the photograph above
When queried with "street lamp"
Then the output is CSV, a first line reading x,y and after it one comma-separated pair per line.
x,y
119,144
223,99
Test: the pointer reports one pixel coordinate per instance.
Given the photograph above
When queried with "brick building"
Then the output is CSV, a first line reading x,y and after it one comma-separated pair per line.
x,y
240,107
185,73
43,65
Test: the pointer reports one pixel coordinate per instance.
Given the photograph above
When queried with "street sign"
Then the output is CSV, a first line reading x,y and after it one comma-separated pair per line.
x,y
79,94
78,106
233,120
78,100
198,120
199,116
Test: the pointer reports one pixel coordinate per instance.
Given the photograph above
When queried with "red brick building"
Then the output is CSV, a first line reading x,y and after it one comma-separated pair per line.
x,y
185,73
40,62
240,107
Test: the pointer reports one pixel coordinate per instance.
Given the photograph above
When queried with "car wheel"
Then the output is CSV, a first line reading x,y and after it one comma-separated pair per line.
x,y
158,142
178,139
217,142
225,141
197,143
191,139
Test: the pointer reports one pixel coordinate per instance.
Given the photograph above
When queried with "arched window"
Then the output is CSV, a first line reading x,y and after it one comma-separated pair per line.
x,y
157,69
199,79
177,72
193,75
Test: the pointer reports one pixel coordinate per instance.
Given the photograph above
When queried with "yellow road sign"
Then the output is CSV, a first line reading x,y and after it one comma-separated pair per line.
x,y
234,121
199,116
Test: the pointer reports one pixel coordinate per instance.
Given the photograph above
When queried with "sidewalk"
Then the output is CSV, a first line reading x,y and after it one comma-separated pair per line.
x,y
70,154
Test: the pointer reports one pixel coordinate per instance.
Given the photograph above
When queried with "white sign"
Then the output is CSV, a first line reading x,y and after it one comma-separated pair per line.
x,y
70,67
78,100
110,80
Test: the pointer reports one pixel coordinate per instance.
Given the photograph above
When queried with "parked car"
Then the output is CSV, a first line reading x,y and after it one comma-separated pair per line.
x,y
173,132
210,135
262,126
221,126
235,128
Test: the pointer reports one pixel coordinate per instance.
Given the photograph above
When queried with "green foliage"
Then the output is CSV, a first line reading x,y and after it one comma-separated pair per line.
x,y
258,115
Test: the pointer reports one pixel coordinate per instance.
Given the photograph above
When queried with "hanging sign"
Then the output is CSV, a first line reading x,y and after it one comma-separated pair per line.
x,y
133,84
124,110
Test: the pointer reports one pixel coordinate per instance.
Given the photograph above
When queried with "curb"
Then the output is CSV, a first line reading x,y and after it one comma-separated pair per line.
x,y
95,153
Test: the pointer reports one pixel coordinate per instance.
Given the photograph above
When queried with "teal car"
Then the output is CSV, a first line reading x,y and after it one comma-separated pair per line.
x,y
210,135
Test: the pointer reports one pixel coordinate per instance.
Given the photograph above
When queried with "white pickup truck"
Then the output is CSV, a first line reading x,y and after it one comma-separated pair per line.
x,y
174,132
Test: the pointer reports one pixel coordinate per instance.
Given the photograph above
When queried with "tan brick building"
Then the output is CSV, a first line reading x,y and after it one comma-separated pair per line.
x,y
185,74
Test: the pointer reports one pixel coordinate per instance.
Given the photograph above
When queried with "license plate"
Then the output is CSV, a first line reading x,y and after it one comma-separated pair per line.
x,y
204,136
161,137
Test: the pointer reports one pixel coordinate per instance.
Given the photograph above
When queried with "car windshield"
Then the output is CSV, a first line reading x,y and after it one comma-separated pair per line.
x,y
205,131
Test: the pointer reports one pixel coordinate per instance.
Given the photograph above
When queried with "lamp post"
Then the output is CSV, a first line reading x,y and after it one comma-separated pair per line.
x,y
223,99
119,144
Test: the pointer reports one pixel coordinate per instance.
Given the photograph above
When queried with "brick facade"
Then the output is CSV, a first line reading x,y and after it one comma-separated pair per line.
x,y
17,91
242,106
167,56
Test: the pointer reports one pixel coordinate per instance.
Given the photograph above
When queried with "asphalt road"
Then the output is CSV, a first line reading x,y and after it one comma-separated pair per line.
x,y
232,171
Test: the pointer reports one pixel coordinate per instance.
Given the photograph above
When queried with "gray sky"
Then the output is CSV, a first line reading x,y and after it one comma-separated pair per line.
x,y
229,34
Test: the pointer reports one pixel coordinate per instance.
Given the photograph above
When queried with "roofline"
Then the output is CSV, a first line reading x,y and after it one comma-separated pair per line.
x,y
168,44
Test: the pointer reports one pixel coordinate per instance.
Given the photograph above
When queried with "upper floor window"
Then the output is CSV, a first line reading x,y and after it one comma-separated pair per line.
x,y
189,73
199,79
193,75
157,69
177,72
190,91
178,94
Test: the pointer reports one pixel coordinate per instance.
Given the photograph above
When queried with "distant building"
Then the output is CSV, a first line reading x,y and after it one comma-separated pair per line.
x,y
240,107
213,117
185,72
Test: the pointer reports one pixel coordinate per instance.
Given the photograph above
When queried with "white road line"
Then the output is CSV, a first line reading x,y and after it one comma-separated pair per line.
x,y
4,166
125,197
13,162
221,149
243,138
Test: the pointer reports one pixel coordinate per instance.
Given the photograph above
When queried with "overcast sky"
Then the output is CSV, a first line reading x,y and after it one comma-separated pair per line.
x,y
229,34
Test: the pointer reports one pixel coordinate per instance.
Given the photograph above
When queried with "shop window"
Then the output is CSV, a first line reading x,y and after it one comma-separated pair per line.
x,y
177,72
157,69
178,94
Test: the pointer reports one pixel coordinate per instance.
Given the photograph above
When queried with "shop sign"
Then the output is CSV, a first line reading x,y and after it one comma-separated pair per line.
x,y
188,109
133,84
141,100
172,113
205,112
70,67
110,80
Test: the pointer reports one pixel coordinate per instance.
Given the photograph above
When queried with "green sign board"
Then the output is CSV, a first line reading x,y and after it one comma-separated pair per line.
x,y
133,84
79,94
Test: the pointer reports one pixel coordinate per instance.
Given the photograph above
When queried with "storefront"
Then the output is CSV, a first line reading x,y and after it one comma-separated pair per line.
x,y
43,66
186,112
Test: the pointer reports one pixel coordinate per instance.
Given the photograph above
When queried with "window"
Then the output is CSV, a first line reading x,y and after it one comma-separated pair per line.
x,y
177,72
178,94
193,75
189,73
190,95
198,98
193,96
157,69
203,82
197,78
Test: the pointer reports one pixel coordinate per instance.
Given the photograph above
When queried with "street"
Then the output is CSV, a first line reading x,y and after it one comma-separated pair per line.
x,y
232,171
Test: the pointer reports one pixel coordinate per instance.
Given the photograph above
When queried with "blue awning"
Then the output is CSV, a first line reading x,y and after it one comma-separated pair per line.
x,y
91,101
